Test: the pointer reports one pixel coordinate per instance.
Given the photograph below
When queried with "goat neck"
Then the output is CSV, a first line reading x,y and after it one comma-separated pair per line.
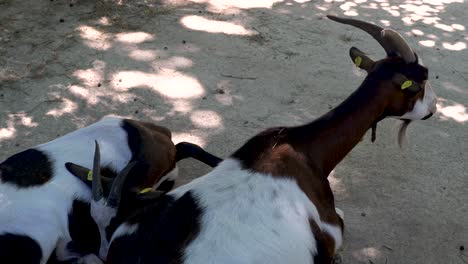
x,y
328,139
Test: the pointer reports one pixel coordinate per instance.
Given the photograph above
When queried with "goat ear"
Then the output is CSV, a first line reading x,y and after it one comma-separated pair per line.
x,y
84,174
78,171
404,83
361,60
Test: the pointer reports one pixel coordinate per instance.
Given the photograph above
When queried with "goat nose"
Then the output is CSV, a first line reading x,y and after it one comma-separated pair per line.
x,y
428,116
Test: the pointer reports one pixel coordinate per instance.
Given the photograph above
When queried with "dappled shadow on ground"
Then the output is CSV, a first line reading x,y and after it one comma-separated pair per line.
x,y
218,71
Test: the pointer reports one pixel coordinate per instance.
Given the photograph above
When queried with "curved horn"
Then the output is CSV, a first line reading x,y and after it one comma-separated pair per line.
x,y
115,192
373,30
399,44
96,186
389,39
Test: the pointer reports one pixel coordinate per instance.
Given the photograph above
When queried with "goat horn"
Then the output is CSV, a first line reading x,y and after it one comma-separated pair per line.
x,y
96,185
115,192
400,45
389,39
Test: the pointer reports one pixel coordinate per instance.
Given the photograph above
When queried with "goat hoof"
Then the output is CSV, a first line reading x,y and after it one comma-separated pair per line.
x,y
340,213
90,259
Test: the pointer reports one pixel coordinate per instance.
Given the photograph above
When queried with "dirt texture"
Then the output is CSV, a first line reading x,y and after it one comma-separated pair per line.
x,y
217,72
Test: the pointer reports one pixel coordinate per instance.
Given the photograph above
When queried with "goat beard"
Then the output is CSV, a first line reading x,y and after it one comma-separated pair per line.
x,y
402,132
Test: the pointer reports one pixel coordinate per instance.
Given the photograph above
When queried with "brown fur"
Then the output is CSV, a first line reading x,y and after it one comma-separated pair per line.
x,y
156,149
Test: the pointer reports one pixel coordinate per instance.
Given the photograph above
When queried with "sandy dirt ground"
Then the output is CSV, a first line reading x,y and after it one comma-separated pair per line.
x,y
218,71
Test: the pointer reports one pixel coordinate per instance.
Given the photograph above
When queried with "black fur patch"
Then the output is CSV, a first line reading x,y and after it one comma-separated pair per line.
x,y
140,171
134,139
83,230
19,249
254,148
190,150
166,185
164,230
28,168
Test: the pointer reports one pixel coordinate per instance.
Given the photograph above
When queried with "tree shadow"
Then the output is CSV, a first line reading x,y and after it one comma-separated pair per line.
x,y
217,72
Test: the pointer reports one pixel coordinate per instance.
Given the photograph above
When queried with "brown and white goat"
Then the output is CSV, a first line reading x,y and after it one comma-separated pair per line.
x,y
45,208
270,201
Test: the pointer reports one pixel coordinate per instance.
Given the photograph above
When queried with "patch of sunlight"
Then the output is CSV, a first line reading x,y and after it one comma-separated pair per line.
x,y
92,96
22,119
456,46
458,27
455,111
104,21
427,43
189,137
9,131
417,32
79,91
444,27
339,189
181,106
167,82
351,13
133,37
6,133
143,55
423,10
206,118
25,120
66,107
94,38
91,77
347,6
385,22
367,253
373,6
394,13
243,4
213,26
322,8
173,63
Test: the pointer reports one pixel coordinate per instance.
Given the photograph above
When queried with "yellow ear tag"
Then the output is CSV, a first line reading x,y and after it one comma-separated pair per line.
x,y
90,175
358,61
406,84
145,190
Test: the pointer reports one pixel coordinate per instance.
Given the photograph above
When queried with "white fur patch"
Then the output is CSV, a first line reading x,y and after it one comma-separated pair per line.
x,y
340,213
423,107
41,212
124,230
172,175
335,232
102,214
251,218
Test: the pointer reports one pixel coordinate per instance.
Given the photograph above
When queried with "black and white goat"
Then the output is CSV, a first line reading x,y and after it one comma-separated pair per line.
x,y
270,201
43,207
